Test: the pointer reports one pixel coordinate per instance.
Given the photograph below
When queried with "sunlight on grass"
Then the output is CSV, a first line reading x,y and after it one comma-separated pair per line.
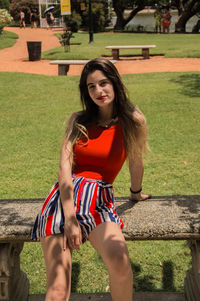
x,y
172,45
7,39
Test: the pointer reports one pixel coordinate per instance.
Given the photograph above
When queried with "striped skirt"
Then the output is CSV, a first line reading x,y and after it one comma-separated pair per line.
x,y
94,204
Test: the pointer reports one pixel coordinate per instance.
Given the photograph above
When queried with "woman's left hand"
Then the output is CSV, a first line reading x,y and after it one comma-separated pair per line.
x,y
138,197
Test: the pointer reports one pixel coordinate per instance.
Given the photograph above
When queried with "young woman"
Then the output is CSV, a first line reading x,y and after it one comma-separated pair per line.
x,y
80,206
22,19
166,21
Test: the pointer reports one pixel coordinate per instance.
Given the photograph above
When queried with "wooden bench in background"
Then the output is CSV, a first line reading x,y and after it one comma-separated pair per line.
x,y
63,65
161,218
145,50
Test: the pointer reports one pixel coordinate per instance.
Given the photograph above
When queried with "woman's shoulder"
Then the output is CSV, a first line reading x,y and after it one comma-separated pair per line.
x,y
75,115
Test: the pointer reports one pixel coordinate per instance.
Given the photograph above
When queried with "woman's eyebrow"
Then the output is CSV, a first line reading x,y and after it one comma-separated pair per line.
x,y
90,84
101,80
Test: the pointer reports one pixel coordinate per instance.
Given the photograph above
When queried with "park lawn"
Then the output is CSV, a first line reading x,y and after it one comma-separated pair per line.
x,y
169,45
7,39
34,110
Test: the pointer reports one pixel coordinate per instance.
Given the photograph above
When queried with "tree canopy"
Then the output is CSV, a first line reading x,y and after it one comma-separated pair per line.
x,y
4,4
186,10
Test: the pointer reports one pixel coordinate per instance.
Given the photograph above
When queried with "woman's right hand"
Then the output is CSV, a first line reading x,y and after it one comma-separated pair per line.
x,y
72,234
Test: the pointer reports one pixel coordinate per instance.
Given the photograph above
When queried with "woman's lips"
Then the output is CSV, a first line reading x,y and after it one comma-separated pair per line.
x,y
101,98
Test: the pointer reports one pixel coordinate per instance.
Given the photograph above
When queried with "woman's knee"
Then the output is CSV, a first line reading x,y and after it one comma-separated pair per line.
x,y
57,292
118,258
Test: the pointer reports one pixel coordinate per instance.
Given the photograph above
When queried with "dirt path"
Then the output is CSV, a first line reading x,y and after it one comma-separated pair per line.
x,y
15,59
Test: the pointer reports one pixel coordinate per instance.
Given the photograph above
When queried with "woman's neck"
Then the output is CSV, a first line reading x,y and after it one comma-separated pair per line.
x,y
105,114
106,119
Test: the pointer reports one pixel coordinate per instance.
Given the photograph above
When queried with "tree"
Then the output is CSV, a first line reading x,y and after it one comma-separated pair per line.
x,y
135,6
186,10
100,13
27,6
4,4
73,22
99,17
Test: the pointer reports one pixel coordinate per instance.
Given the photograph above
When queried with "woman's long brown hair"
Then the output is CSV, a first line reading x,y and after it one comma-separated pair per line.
x,y
134,127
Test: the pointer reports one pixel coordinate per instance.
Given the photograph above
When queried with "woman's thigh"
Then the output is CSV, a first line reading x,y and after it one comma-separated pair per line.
x,y
58,261
108,240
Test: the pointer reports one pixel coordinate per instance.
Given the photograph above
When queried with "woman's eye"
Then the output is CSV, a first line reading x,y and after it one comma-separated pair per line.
x,y
103,83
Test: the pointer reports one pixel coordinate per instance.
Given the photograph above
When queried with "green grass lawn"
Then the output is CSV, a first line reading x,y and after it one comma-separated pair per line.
x,y
7,39
169,45
34,110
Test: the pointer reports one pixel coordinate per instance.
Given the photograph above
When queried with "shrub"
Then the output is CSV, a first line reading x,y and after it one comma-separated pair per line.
x,y
98,15
4,4
5,19
73,22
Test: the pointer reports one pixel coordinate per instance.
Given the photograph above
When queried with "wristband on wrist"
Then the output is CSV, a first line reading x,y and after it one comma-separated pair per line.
x,y
135,192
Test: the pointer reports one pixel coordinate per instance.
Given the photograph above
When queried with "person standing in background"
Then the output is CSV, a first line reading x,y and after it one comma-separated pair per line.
x,y
49,18
166,21
33,20
22,19
158,20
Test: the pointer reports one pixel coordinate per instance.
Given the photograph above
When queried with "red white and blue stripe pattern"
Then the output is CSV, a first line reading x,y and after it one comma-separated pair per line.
x,y
94,204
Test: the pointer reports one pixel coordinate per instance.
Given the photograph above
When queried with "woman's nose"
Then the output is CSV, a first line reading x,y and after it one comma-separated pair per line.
x,y
98,89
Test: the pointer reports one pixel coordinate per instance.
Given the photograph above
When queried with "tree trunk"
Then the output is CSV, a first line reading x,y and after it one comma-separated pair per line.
x,y
180,25
121,21
186,9
196,28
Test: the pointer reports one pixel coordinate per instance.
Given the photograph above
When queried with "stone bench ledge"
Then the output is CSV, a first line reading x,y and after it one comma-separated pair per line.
x,y
69,62
73,62
160,218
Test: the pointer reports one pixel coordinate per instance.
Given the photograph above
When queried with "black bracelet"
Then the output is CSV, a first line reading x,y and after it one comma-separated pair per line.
x,y
135,192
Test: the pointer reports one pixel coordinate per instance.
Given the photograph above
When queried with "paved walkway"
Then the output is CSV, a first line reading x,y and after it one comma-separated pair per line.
x,y
15,59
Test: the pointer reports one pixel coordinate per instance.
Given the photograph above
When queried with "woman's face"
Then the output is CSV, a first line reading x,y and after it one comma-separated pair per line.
x,y
100,89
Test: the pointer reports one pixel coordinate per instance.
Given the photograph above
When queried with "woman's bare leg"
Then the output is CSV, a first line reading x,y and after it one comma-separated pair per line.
x,y
58,268
109,242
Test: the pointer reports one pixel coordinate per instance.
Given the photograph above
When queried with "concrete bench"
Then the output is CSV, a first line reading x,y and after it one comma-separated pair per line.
x,y
63,65
161,218
145,50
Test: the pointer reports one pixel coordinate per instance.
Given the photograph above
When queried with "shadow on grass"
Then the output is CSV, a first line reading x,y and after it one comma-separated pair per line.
x,y
168,276
141,283
132,57
75,276
190,84
146,283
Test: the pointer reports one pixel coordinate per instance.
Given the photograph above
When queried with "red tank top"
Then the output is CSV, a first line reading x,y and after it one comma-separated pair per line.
x,y
100,157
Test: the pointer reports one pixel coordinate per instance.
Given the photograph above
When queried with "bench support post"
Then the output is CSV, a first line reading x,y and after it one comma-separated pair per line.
x,y
145,53
192,280
14,285
63,69
115,54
